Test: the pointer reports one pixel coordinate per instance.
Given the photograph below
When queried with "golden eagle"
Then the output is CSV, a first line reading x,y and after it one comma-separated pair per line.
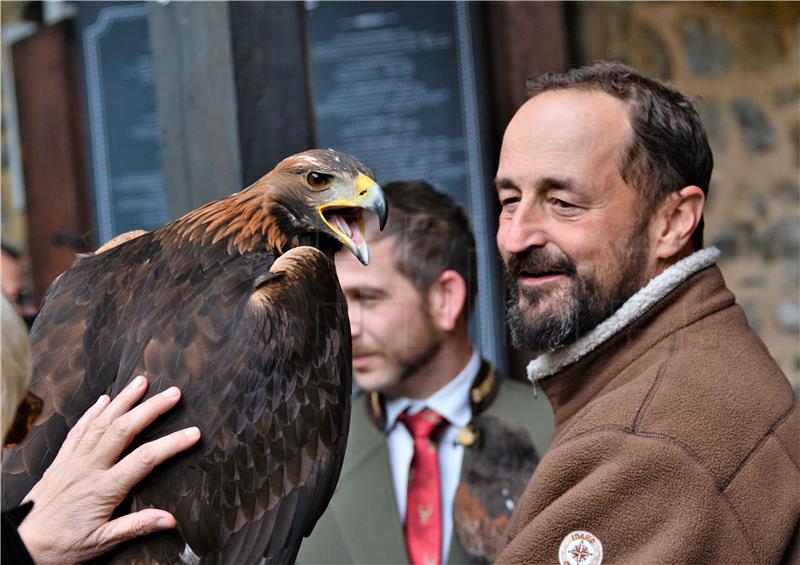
x,y
238,304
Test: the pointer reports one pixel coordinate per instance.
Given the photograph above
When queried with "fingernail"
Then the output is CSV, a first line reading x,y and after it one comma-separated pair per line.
x,y
136,383
192,433
164,523
171,392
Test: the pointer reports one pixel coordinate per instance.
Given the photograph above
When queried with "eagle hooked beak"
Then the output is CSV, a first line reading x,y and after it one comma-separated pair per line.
x,y
345,216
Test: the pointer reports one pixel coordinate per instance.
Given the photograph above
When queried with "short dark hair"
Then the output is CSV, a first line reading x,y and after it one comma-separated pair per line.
x,y
431,234
669,148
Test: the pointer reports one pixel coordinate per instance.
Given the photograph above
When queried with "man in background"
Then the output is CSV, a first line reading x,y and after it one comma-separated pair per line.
x,y
423,475
676,434
10,272
12,283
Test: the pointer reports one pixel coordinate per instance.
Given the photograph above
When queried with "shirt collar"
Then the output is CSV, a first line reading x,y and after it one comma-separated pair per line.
x,y
451,401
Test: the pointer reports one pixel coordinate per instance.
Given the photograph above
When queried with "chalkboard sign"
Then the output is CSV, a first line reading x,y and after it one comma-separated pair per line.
x,y
395,84
122,121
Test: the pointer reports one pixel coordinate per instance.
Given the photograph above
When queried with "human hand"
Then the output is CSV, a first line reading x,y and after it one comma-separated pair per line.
x,y
73,502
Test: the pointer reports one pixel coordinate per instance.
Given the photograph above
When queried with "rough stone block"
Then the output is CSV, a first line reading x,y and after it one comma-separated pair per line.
x,y
754,281
708,52
752,315
648,50
736,240
786,191
786,95
758,133
759,44
712,114
790,275
787,316
782,240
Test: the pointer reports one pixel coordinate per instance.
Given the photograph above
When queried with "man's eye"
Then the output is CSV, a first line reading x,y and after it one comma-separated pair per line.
x,y
509,201
365,300
558,203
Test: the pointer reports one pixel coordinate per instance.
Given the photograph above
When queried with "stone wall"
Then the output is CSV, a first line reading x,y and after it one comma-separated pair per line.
x,y
740,60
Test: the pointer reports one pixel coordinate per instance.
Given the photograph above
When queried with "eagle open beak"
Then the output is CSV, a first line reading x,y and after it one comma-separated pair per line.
x,y
345,217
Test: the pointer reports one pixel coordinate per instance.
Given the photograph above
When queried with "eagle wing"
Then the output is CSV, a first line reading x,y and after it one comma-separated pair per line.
x,y
75,345
261,352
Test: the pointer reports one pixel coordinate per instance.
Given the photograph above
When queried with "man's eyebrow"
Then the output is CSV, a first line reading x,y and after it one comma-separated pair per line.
x,y
366,291
564,183
503,183
558,183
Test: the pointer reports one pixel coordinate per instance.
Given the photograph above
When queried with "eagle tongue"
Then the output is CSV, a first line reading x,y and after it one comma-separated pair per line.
x,y
354,233
342,224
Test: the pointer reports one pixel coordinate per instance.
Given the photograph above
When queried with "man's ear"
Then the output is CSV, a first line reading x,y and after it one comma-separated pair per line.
x,y
446,299
676,220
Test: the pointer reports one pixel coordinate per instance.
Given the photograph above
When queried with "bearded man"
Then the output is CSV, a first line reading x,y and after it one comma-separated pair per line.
x,y
676,435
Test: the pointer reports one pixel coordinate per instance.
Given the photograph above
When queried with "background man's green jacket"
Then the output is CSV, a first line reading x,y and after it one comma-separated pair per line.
x,y
362,523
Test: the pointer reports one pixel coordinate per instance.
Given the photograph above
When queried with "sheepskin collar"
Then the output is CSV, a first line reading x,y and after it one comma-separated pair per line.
x,y
548,364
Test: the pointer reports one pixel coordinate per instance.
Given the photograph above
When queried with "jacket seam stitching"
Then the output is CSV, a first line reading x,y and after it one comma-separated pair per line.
x,y
637,422
759,444
691,455
788,452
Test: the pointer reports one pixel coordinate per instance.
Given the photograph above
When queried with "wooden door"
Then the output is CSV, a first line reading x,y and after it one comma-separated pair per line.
x,y
53,152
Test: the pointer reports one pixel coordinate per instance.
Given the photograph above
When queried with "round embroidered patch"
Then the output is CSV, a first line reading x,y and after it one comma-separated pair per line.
x,y
580,548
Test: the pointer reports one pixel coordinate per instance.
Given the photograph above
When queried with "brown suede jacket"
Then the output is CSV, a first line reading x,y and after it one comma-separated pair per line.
x,y
677,440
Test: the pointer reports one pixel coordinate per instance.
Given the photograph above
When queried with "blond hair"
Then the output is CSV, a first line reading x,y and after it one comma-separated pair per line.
x,y
15,362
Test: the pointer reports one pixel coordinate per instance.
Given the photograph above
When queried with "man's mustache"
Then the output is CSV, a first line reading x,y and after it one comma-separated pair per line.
x,y
537,262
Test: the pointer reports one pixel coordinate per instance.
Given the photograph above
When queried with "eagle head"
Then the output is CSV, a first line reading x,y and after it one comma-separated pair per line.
x,y
321,196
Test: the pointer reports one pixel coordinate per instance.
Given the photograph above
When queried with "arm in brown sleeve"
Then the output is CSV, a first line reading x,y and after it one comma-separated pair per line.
x,y
646,498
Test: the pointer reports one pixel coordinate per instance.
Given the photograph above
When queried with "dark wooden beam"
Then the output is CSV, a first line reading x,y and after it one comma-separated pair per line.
x,y
272,83
525,39
232,91
196,101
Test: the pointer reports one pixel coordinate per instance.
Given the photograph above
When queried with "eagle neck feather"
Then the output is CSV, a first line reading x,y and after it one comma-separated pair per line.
x,y
243,222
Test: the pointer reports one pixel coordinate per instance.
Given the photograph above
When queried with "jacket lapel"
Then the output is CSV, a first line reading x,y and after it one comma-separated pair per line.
x,y
366,484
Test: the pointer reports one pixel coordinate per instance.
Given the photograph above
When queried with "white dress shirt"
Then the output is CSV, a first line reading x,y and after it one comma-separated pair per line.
x,y
452,402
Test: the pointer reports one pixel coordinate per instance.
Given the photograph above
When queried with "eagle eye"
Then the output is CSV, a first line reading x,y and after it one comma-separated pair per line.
x,y
318,181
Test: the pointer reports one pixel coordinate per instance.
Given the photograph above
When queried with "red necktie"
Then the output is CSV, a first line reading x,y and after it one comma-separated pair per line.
x,y
424,502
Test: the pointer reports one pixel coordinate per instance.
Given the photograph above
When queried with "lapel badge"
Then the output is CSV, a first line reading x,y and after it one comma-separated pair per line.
x,y
466,436
580,548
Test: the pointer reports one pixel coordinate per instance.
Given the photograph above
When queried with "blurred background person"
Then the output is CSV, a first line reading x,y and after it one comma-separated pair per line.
x,y
12,281
10,273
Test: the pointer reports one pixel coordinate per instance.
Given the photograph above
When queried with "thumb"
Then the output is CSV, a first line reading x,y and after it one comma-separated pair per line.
x,y
131,526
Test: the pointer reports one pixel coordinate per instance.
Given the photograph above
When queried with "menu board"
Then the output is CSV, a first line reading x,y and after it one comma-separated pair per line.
x,y
386,88
128,183
394,83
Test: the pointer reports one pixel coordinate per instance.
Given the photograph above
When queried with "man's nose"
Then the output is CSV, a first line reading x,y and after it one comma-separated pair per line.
x,y
525,229
355,313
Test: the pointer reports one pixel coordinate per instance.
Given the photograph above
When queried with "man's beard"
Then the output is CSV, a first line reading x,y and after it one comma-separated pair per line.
x,y
417,358
587,302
